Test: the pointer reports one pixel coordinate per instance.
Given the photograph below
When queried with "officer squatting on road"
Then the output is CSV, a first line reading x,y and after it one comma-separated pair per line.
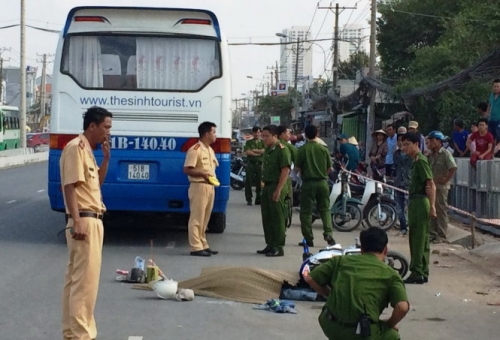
x,y
314,163
200,167
275,170
254,149
358,289
420,210
81,179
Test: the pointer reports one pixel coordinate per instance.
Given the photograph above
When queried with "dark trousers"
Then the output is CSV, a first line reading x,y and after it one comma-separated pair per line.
x,y
253,177
273,216
400,199
419,222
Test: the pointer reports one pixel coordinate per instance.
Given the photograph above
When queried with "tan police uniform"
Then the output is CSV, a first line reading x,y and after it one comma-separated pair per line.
x,y
201,194
78,166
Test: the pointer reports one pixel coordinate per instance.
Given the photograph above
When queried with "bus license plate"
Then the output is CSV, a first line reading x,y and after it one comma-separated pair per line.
x,y
138,171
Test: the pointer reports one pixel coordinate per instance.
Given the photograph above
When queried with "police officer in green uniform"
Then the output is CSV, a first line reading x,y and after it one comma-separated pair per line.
x,y
420,210
314,163
360,285
284,135
254,149
275,170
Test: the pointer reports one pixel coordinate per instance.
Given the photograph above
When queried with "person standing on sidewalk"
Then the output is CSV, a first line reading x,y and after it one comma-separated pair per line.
x,y
484,143
392,142
314,163
284,135
494,111
81,180
443,169
402,166
254,149
200,165
275,170
420,210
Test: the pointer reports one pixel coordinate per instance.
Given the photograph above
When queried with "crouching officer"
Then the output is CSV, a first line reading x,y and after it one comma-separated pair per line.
x,y
275,170
359,289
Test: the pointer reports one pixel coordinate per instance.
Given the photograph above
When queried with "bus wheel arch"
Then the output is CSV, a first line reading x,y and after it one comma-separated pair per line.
x,y
217,223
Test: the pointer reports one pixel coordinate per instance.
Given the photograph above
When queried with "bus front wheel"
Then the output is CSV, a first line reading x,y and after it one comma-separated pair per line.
x,y
217,223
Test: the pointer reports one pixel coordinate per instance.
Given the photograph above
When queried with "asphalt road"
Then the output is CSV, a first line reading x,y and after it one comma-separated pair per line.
x,y
33,259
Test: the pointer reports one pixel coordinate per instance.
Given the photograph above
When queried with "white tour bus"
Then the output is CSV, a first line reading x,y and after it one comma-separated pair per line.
x,y
161,72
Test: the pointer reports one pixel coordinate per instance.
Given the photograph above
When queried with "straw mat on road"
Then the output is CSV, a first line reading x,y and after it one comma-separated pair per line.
x,y
241,284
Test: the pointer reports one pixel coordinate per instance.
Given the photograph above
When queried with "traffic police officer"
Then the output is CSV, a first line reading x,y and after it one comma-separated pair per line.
x,y
200,167
275,170
81,180
314,163
254,149
361,285
421,208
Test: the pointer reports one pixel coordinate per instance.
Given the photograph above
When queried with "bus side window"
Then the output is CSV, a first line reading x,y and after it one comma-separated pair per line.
x,y
111,71
17,122
131,77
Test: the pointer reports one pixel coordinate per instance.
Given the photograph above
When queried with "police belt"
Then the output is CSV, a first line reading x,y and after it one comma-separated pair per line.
x,y
255,162
88,214
414,196
270,183
333,318
313,179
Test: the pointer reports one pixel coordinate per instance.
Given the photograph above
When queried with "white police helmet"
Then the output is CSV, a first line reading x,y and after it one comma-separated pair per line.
x,y
166,289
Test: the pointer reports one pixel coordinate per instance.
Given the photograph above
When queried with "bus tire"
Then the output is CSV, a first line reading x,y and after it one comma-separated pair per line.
x,y
217,223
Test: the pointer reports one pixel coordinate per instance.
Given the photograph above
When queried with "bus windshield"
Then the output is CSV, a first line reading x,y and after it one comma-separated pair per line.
x,y
129,62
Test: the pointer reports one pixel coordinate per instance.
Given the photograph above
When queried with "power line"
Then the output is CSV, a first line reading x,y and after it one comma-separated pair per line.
x,y
436,16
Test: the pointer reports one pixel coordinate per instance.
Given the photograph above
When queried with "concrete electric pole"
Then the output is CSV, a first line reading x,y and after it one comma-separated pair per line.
x,y
22,109
370,121
43,86
297,52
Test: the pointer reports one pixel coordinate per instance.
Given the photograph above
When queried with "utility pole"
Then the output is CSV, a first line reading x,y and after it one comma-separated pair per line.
x,y
275,71
276,74
296,65
370,121
43,87
335,72
22,109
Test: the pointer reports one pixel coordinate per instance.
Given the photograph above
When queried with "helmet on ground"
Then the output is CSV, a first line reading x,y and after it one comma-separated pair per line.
x,y
437,134
166,289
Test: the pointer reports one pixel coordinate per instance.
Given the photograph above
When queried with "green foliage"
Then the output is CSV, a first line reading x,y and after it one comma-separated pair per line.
x,y
417,51
358,60
277,106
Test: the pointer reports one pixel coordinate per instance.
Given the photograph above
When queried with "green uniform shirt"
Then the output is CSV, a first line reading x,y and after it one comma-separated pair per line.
x,y
313,160
420,173
254,144
442,162
275,158
293,149
359,282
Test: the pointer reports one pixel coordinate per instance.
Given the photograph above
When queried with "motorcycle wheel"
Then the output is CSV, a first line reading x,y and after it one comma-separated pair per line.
x,y
398,262
236,185
388,216
350,221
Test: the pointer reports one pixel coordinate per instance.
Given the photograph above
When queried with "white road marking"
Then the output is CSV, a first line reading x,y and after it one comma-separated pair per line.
x,y
134,337
170,244
41,190
9,202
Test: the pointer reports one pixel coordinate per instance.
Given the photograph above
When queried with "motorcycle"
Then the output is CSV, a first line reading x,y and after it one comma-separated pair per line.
x,y
395,260
238,173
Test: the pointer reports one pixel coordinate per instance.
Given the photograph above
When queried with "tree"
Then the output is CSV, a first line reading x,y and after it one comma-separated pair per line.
x,y
348,69
444,38
277,106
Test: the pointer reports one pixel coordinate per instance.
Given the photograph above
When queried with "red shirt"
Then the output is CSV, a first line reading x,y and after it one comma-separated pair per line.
x,y
482,142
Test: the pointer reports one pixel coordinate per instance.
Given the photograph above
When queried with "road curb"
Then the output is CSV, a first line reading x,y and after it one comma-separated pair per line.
x,y
12,161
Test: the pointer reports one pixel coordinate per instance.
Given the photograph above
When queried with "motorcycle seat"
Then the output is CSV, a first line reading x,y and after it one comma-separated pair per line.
x,y
357,188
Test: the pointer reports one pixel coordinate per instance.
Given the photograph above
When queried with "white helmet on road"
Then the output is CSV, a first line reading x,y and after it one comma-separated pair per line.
x,y
166,289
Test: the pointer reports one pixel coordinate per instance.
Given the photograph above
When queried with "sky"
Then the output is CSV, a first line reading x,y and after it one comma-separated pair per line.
x,y
242,21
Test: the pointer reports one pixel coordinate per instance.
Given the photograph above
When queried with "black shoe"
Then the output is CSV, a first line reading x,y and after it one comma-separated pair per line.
x,y
257,202
426,279
309,243
249,203
203,253
213,252
275,253
266,250
329,239
414,280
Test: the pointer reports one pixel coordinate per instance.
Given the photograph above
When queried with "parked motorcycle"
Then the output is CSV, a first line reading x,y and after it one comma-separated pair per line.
x,y
395,260
238,173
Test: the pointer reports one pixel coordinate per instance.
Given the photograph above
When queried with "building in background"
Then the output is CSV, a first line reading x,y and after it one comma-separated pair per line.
x,y
12,76
289,53
356,37
344,50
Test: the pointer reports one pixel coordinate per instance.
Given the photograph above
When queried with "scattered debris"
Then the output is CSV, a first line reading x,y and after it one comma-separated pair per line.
x,y
435,262
493,303
481,293
444,266
277,306
466,300
438,294
435,319
435,251
445,254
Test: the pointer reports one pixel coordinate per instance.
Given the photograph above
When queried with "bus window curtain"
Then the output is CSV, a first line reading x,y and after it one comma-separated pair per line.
x,y
84,61
175,64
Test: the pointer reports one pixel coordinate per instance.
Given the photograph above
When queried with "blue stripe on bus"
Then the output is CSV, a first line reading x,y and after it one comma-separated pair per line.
x,y
210,13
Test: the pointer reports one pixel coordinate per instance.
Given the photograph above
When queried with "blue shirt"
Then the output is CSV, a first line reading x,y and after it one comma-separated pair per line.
x,y
494,107
392,142
351,156
460,139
